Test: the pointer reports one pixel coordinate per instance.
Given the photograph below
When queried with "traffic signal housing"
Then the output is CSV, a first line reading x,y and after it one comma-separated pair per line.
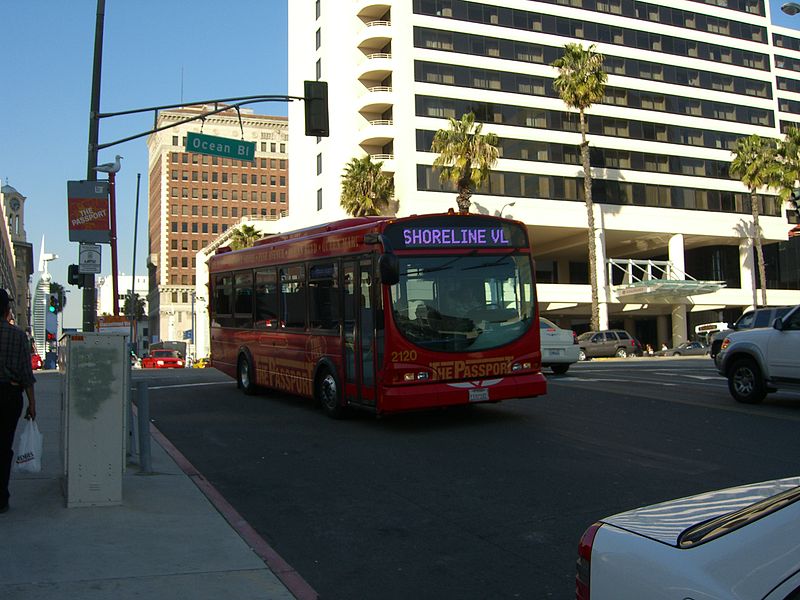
x,y
315,96
75,277
54,305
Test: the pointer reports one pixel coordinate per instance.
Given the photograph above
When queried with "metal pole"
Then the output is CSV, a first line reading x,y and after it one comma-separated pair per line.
x,y
89,300
131,302
143,411
113,216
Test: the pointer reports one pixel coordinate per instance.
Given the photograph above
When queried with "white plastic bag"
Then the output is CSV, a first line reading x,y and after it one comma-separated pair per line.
x,y
28,453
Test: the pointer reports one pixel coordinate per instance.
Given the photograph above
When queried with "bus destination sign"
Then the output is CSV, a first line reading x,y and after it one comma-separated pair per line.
x,y
459,232
434,237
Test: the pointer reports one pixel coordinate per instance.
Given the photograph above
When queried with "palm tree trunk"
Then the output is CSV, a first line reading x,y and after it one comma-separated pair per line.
x,y
587,194
464,193
762,270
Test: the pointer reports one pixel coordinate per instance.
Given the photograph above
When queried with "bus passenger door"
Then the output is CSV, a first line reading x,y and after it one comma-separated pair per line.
x,y
359,364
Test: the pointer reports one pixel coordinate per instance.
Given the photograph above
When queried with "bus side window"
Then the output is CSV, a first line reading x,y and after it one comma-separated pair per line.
x,y
293,296
223,300
266,299
243,299
323,286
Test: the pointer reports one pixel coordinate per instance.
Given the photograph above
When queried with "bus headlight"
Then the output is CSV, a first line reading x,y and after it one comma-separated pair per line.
x,y
521,366
422,375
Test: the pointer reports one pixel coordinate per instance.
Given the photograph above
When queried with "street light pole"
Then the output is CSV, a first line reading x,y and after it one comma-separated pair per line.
x,y
132,301
89,295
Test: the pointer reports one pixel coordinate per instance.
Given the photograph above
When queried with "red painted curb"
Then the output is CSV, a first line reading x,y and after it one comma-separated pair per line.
x,y
296,585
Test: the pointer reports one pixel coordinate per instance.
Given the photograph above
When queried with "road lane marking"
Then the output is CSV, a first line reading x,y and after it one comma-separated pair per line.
x,y
183,385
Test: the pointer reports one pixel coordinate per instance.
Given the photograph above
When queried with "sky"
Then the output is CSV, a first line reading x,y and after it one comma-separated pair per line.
x,y
155,52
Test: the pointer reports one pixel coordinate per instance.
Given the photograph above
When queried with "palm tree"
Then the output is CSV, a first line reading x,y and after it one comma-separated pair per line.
x,y
134,306
244,237
581,82
755,163
789,172
366,189
465,156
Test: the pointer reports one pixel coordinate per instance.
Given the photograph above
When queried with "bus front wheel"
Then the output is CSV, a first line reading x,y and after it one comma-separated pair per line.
x,y
245,376
328,393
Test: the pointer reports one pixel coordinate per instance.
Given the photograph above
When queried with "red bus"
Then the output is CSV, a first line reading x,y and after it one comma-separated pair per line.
x,y
381,313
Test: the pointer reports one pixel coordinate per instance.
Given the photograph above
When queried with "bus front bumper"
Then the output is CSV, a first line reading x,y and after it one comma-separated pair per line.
x,y
475,391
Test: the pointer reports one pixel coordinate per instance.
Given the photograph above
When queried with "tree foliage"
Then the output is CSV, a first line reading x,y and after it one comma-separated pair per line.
x,y
466,156
134,306
366,189
244,236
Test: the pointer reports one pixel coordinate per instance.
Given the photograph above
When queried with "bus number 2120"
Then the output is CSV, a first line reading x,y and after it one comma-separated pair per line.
x,y
404,355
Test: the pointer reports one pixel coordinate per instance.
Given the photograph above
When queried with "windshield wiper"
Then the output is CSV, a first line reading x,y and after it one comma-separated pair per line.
x,y
492,263
449,263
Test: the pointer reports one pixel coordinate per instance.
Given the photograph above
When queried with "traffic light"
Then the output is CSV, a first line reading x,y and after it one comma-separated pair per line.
x,y
53,306
315,95
74,276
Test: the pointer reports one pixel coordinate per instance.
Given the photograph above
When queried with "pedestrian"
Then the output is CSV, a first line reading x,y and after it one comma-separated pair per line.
x,y
16,375
649,350
664,346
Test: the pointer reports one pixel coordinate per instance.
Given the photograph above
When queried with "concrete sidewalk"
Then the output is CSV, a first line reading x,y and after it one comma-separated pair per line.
x,y
167,539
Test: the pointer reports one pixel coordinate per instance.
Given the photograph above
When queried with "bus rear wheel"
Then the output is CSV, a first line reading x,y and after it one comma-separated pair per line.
x,y
244,378
328,393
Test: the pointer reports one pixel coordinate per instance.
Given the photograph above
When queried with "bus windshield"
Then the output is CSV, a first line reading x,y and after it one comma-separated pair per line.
x,y
467,302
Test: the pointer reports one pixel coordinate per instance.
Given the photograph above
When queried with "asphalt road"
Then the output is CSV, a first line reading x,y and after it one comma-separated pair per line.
x,y
486,503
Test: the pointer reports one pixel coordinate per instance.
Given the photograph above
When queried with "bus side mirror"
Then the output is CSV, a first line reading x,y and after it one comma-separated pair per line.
x,y
389,268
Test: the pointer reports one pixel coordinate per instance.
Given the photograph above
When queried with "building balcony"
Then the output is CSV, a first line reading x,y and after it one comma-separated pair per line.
x,y
376,66
370,9
386,159
376,99
377,132
374,36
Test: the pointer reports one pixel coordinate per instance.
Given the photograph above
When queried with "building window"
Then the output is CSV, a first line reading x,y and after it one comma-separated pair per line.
x,y
318,37
319,163
319,199
319,69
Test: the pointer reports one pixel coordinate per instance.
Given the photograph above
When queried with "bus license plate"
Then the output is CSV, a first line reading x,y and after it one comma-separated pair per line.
x,y
478,394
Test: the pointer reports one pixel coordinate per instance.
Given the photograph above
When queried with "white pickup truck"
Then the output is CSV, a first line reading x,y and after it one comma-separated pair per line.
x,y
759,361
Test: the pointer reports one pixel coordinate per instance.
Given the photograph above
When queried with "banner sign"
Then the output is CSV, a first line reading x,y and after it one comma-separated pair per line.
x,y
88,211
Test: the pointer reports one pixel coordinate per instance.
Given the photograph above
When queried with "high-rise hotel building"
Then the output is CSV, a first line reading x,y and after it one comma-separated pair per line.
x,y
686,79
194,198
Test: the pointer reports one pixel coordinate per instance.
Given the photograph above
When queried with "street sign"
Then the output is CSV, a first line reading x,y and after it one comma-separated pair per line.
x,y
88,211
187,334
219,146
89,258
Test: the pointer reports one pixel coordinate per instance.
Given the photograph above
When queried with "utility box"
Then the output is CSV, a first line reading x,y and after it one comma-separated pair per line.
x,y
94,379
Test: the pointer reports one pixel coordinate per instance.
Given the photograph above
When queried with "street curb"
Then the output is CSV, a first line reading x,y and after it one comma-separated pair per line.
x,y
293,581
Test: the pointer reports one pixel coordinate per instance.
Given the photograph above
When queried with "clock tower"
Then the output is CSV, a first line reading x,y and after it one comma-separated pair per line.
x,y
18,279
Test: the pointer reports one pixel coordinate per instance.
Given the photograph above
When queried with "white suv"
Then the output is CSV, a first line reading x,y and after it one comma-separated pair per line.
x,y
758,361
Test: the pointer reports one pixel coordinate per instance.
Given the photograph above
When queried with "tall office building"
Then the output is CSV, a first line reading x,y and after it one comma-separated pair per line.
x,y
686,79
194,198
